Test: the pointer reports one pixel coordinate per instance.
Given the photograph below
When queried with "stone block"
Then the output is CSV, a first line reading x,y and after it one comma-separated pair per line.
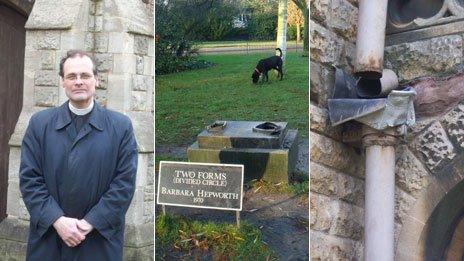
x,y
73,40
453,123
149,193
99,8
325,47
13,163
91,23
141,43
139,101
101,42
142,165
323,180
32,61
329,182
134,215
136,254
12,228
437,56
102,81
148,65
45,40
124,63
141,82
148,210
138,236
101,97
328,247
337,155
434,147
120,42
88,42
46,96
139,64
347,220
98,26
320,218
403,203
321,82
320,123
350,189
104,61
151,47
410,174
50,15
320,10
143,128
46,78
15,204
12,250
47,60
436,97
343,19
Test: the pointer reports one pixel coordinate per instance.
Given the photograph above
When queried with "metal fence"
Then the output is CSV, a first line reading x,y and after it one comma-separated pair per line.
x,y
248,48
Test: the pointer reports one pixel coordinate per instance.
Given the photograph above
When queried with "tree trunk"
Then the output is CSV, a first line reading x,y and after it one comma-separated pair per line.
x,y
298,34
306,31
282,27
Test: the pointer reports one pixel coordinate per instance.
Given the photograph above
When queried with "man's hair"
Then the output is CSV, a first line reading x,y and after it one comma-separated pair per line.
x,y
75,53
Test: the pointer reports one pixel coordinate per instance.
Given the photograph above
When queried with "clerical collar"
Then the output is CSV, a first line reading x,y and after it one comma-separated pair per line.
x,y
81,112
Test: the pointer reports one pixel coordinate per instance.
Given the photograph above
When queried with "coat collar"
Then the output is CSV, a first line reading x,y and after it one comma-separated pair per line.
x,y
95,119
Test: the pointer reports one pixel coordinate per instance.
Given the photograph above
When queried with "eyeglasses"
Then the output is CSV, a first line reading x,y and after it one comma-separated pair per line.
x,y
82,76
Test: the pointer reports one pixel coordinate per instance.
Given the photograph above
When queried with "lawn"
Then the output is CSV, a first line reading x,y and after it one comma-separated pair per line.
x,y
188,101
176,235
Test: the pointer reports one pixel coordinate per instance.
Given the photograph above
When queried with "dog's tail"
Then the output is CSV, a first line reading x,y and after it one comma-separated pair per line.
x,y
280,51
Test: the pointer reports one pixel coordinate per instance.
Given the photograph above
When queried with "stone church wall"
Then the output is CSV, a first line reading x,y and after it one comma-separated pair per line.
x,y
336,170
120,36
426,161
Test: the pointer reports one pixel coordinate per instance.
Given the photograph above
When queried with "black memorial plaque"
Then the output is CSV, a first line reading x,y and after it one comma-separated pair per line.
x,y
200,185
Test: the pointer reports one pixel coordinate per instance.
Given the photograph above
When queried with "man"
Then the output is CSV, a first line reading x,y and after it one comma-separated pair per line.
x,y
77,173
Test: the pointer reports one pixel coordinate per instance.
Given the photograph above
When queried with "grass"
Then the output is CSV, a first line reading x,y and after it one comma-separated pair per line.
x,y
188,101
244,43
299,186
224,241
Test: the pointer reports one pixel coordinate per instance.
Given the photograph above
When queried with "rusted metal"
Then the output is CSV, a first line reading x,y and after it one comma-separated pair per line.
x,y
370,39
376,88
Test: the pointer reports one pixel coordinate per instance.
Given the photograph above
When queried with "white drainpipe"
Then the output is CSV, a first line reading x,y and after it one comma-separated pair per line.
x,y
379,207
370,39
379,203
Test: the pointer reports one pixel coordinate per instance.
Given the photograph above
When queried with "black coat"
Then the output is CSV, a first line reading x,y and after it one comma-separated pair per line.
x,y
90,175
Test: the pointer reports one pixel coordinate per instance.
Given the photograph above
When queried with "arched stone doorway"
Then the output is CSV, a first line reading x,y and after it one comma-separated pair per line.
x,y
13,16
433,226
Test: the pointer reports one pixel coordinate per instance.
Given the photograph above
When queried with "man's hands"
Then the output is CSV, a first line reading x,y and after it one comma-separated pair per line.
x,y
84,226
71,230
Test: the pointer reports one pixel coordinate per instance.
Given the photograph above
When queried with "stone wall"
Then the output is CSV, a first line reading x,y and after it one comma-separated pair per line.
x,y
337,169
120,36
427,163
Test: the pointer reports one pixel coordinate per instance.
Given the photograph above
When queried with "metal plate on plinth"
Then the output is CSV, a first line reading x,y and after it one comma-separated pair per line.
x,y
240,134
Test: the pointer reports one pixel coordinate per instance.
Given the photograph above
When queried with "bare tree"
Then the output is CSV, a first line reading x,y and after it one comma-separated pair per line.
x,y
304,7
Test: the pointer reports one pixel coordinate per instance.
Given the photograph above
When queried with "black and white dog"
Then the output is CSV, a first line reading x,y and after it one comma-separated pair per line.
x,y
264,65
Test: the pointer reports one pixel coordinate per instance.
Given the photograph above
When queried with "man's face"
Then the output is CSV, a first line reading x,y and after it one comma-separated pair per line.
x,y
78,81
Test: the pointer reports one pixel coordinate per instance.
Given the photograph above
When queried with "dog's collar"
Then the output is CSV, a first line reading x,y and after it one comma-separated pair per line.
x,y
256,69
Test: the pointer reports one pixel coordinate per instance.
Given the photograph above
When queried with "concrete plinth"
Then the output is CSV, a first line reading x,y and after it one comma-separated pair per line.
x,y
272,165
